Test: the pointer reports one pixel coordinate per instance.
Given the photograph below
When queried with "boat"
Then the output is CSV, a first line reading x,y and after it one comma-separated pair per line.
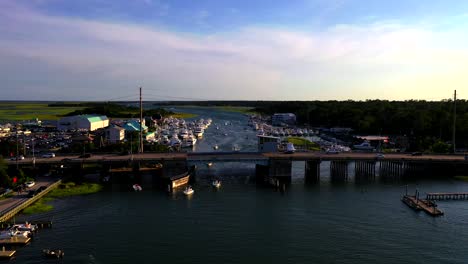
x,y
209,164
198,132
188,190
24,227
137,187
53,253
215,147
364,146
15,233
216,183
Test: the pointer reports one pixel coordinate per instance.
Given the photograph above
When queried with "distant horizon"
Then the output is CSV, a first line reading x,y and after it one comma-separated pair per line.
x,y
94,50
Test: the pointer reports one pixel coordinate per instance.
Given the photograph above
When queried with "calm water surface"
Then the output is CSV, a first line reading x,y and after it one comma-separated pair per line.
x,y
244,223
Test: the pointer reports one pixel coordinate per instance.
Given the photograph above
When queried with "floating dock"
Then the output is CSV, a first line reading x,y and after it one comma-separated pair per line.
x,y
417,204
15,241
7,254
39,224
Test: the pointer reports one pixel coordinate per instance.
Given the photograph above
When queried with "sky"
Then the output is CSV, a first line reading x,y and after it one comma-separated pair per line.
x,y
233,50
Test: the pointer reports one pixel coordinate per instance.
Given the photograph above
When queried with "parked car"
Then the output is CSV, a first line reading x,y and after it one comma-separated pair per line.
x,y
32,193
48,155
40,189
29,184
20,157
380,156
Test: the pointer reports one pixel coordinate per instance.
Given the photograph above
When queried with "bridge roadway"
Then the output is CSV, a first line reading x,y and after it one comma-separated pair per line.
x,y
242,156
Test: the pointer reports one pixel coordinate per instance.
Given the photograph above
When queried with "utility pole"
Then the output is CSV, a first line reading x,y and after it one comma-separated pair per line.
x,y
140,147
17,148
454,118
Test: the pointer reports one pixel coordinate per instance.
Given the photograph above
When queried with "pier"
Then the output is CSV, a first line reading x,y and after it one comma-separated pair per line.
x,y
417,204
447,196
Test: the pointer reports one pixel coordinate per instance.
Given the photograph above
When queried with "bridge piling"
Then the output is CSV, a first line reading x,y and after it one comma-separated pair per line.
x,y
339,170
312,171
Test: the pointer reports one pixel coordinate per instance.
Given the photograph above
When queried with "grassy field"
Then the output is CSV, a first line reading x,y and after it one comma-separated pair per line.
x,y
304,143
183,115
20,111
236,109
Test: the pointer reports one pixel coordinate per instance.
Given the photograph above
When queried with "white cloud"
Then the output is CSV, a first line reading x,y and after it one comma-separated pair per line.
x,y
379,60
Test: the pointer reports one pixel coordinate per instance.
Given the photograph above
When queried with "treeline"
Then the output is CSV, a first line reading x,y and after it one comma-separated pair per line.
x,y
118,111
424,122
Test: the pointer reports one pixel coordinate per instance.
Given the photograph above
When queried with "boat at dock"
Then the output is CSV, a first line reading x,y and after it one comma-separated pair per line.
x,y
24,227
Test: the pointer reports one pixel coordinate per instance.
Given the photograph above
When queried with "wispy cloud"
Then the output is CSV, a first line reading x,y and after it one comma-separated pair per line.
x,y
378,60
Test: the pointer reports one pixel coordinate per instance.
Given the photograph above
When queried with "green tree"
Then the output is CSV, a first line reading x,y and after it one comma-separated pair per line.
x,y
5,180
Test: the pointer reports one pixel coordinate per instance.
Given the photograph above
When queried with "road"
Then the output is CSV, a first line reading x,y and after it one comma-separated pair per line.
x,y
231,156
19,198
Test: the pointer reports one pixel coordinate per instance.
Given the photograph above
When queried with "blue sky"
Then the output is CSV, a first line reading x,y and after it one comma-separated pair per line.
x,y
233,50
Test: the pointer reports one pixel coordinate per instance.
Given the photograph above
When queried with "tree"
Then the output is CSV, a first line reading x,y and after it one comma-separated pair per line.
x,y
5,180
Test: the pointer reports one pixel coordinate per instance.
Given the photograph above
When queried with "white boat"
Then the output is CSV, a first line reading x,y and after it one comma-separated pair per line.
x,y
209,164
137,188
14,233
364,146
23,227
216,183
198,132
188,191
215,147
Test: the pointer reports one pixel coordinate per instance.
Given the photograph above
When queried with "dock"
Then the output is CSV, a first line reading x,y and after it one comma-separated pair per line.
x,y
15,241
39,224
427,206
447,196
7,254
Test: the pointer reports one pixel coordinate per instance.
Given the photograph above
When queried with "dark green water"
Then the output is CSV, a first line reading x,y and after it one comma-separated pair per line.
x,y
244,223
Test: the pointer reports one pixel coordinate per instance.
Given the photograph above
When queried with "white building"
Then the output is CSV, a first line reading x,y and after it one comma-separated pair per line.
x,y
83,122
281,119
115,134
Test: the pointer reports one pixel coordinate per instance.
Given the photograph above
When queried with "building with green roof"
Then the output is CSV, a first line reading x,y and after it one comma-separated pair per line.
x,y
83,122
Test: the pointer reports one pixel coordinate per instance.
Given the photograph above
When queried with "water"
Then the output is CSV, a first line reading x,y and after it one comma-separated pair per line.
x,y
245,223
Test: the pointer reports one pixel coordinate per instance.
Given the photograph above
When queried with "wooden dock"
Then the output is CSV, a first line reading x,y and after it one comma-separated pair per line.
x,y
447,196
15,241
417,204
7,254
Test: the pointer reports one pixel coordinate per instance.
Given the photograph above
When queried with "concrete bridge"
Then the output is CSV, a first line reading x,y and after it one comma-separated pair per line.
x,y
277,166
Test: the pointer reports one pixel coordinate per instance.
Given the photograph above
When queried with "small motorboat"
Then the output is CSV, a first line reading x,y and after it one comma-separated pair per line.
x,y
24,227
53,253
216,183
188,191
215,147
137,188
209,164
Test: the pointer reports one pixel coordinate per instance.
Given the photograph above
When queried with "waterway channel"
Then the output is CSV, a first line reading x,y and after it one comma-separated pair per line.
x,y
245,223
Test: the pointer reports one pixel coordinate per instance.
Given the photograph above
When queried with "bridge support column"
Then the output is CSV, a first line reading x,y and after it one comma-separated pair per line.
x,y
312,171
392,170
364,170
281,170
339,170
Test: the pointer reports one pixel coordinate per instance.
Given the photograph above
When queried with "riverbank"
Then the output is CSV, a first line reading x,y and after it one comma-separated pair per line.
x,y
63,190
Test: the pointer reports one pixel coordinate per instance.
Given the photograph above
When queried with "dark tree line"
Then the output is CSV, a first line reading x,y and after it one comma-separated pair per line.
x,y
116,110
424,123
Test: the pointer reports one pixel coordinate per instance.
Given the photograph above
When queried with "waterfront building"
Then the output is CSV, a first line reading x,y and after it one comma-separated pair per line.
x,y
267,143
82,122
134,126
115,134
282,119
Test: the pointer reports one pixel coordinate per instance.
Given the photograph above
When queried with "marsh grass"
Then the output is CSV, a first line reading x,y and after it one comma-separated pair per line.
x,y
20,111
71,189
40,206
